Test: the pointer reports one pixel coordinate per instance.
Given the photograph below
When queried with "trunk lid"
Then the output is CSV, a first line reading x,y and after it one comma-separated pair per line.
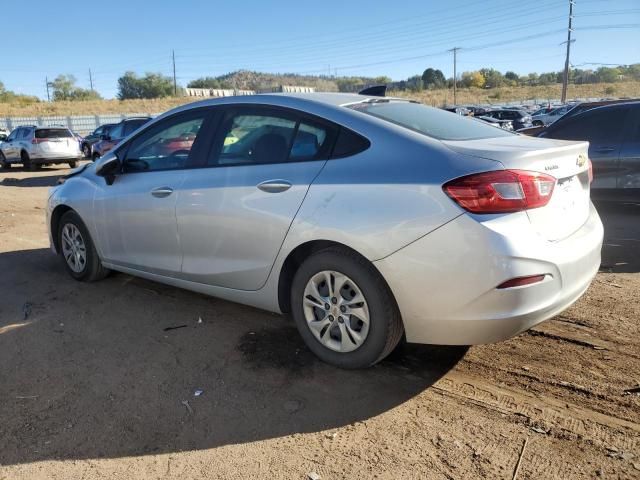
x,y
566,161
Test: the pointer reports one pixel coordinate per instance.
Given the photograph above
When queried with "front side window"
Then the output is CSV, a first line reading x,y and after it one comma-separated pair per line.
x,y
165,146
116,131
432,122
13,135
25,133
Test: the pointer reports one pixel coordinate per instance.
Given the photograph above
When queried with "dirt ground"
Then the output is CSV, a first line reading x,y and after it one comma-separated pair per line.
x,y
93,385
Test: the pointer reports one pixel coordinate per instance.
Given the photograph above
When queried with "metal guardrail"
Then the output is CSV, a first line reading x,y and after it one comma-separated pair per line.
x,y
82,124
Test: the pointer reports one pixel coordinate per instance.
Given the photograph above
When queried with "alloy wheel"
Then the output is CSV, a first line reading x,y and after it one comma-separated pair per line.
x,y
74,248
336,311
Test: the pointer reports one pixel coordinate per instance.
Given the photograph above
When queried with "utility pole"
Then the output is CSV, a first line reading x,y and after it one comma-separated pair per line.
x,y
565,78
46,82
175,84
90,80
455,52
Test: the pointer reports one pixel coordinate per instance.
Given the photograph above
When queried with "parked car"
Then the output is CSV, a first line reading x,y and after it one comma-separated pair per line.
x,y
613,133
542,119
34,147
94,137
574,110
518,118
463,111
116,134
4,133
477,111
505,124
366,218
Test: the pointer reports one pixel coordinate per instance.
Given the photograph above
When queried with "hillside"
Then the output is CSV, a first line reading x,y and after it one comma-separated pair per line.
x,y
439,97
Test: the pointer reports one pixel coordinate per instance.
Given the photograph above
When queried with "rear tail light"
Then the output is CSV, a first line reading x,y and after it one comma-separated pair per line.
x,y
590,171
501,191
521,281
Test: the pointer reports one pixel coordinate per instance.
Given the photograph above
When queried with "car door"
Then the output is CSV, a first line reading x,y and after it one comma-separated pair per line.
x,y
602,128
233,214
629,171
135,215
9,147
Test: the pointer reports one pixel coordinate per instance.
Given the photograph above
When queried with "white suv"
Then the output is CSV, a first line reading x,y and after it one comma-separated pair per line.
x,y
36,146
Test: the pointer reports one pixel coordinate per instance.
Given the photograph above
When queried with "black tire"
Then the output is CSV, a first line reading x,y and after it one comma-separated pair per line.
x,y
3,162
93,269
26,162
95,157
385,322
537,123
73,164
86,151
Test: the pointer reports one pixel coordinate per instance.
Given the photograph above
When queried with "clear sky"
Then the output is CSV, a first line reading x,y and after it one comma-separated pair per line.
x,y
354,37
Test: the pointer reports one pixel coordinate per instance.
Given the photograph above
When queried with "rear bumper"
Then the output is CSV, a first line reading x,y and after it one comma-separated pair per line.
x,y
56,159
445,283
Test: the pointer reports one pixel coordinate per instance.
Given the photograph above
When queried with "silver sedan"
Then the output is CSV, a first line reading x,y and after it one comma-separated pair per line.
x,y
367,219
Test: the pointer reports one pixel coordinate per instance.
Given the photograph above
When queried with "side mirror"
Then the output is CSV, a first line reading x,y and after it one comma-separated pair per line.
x,y
107,167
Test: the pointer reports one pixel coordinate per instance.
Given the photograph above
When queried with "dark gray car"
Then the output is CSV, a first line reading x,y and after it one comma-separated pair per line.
x,y
613,132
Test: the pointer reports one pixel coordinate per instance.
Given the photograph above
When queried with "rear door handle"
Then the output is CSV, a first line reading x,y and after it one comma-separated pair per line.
x,y
162,192
274,186
604,149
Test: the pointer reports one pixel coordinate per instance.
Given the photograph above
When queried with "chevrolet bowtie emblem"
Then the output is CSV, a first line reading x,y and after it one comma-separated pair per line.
x,y
581,161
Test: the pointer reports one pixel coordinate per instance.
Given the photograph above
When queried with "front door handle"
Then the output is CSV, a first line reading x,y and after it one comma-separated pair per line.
x,y
274,186
161,192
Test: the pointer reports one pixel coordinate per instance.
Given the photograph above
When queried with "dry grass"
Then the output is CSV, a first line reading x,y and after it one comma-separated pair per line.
x,y
507,94
92,107
432,97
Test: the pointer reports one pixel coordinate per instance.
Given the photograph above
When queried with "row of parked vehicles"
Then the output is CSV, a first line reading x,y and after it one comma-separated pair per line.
x,y
36,146
612,128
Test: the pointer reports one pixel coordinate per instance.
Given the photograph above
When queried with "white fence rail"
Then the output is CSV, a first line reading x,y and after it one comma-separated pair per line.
x,y
81,124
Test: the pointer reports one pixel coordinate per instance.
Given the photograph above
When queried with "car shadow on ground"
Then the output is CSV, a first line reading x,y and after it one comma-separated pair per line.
x,y
112,369
35,181
621,247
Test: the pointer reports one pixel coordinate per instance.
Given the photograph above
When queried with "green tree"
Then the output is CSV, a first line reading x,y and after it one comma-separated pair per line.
x,y
208,82
152,85
492,78
607,74
415,83
433,78
513,78
64,88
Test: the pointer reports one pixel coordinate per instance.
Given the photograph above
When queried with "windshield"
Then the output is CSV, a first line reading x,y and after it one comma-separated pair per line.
x,y
432,122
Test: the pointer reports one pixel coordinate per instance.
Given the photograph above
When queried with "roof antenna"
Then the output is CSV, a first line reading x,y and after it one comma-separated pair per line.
x,y
374,91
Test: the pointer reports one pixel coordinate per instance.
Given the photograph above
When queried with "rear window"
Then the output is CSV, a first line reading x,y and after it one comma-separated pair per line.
x,y
53,133
432,122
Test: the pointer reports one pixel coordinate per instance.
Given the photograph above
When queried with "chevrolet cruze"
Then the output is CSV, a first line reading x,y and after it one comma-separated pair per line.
x,y
367,219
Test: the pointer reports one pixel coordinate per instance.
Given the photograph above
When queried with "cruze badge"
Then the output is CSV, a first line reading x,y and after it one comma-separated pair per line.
x,y
581,161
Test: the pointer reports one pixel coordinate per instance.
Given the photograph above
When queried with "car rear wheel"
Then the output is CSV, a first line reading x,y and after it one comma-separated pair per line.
x,y
77,249
73,164
86,151
3,162
344,310
537,123
26,162
96,156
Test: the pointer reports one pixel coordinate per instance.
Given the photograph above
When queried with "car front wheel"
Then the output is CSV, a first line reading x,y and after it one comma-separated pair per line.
x,y
77,249
3,162
344,310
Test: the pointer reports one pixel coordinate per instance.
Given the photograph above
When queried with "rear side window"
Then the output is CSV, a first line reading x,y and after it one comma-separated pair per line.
x,y
26,133
349,143
594,125
53,133
432,122
250,136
